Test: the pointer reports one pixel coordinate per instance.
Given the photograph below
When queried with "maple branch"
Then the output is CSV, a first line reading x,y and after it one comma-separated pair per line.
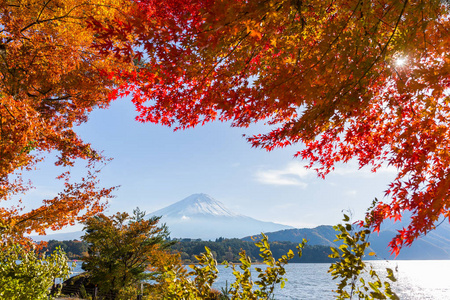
x,y
335,39
31,61
380,19
226,56
238,43
67,15
42,10
47,20
383,50
9,112
35,214
323,55
440,223
42,92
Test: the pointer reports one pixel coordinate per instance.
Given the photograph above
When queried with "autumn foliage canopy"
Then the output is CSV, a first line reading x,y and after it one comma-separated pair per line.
x,y
349,79
50,79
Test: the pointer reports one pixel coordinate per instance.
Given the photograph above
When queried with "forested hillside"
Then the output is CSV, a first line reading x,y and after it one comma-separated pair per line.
x,y
228,249
223,249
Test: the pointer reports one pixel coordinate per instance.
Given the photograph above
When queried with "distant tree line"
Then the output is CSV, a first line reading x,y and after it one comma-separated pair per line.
x,y
228,249
222,249
74,249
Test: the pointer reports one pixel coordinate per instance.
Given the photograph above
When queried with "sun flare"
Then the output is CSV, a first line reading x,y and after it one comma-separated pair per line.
x,y
401,61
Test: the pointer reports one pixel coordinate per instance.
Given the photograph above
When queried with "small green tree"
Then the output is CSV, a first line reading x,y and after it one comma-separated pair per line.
x,y
351,268
121,249
26,275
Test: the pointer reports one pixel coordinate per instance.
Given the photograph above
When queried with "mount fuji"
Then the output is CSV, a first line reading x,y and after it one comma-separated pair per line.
x,y
201,216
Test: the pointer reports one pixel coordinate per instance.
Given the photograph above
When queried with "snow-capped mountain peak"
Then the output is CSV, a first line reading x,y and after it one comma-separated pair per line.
x,y
195,205
201,216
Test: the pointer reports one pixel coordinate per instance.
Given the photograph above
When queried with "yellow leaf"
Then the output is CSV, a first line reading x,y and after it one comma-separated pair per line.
x,y
256,34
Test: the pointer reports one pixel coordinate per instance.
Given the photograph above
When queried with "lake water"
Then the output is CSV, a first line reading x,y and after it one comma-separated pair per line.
x,y
416,280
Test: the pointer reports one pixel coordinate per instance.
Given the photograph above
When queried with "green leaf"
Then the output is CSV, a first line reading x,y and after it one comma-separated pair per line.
x,y
390,275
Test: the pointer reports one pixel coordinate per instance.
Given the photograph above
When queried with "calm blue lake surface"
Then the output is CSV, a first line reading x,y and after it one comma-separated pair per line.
x,y
416,279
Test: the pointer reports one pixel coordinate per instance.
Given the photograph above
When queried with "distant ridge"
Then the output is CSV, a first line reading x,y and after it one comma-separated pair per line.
x,y
200,216
435,245
320,235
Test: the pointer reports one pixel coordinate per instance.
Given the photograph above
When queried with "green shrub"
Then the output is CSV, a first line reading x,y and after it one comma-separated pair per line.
x,y
350,266
25,275
197,284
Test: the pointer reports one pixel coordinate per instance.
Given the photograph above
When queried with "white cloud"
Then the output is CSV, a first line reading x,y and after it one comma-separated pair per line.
x,y
293,174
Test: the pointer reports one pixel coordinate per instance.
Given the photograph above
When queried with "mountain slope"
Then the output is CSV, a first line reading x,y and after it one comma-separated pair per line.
x,y
321,235
435,245
201,216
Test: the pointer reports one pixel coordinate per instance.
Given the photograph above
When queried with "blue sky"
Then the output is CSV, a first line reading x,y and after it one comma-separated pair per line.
x,y
156,167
